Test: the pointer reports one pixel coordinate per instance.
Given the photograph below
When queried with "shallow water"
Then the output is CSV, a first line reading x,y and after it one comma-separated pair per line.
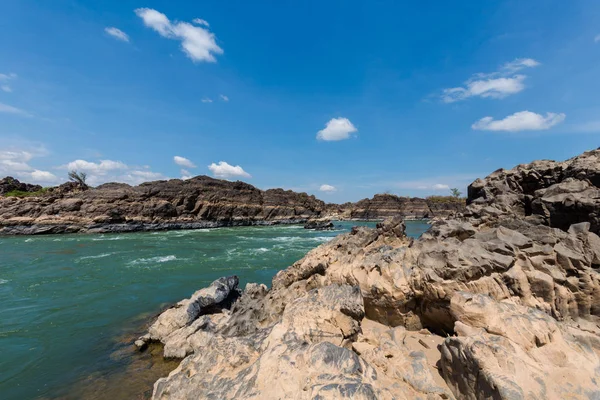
x,y
70,303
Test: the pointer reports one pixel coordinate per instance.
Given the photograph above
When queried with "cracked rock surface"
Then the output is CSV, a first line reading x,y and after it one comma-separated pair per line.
x,y
502,302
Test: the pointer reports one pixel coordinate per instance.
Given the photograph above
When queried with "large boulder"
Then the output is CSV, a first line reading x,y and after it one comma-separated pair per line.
x,y
557,194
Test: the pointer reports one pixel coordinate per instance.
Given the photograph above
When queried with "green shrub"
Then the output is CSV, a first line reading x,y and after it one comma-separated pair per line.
x,y
445,199
20,193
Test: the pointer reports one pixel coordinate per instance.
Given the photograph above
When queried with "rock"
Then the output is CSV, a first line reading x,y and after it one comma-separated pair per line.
x,y
319,224
305,356
10,184
507,351
196,203
383,206
217,296
500,303
557,194
141,344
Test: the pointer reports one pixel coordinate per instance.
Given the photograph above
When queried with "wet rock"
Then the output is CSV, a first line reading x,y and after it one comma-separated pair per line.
x,y
207,300
319,224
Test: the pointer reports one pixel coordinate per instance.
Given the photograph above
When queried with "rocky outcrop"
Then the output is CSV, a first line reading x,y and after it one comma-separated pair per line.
x,y
175,204
10,184
383,206
319,224
503,303
556,194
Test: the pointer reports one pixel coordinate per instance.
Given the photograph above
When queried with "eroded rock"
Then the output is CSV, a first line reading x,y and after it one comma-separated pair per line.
x,y
503,303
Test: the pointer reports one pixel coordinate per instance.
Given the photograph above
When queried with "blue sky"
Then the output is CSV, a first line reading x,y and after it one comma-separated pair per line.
x,y
342,99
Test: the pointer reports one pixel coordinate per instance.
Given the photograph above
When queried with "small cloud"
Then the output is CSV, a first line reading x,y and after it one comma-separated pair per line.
x,y
495,85
15,162
5,78
112,171
440,186
223,97
225,171
200,21
99,168
117,33
184,162
206,100
5,108
327,188
337,129
43,176
520,63
520,121
185,174
197,43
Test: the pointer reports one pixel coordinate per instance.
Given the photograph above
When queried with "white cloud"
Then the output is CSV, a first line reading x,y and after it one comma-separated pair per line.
x,y
5,78
113,171
117,33
520,121
337,129
100,168
200,21
185,174
327,188
496,85
5,108
520,63
184,162
206,100
196,42
440,186
15,163
223,97
225,171
43,176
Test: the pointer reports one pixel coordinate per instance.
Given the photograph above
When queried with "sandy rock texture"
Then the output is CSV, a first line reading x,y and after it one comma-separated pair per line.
x,y
502,302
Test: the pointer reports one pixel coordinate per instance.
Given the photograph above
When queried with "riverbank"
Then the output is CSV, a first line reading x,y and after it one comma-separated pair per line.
x,y
196,203
72,305
501,303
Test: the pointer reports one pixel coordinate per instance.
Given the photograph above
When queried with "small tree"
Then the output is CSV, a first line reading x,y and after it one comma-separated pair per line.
x,y
455,192
78,177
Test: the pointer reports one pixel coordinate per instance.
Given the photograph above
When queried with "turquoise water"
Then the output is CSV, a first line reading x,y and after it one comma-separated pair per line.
x,y
66,300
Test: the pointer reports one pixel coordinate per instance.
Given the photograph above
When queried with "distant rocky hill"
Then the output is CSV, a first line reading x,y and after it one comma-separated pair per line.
x,y
174,204
382,206
199,202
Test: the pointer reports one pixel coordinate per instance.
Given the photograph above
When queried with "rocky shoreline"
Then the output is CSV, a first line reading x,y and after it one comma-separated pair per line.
x,y
197,203
501,302
135,227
